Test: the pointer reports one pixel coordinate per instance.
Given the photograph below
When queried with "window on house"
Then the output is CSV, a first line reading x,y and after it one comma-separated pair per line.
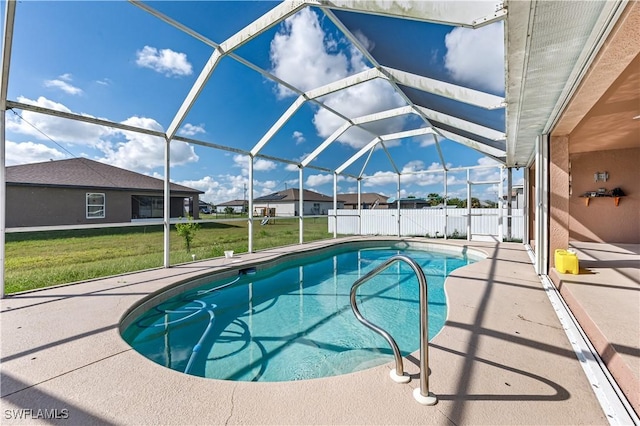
x,y
95,206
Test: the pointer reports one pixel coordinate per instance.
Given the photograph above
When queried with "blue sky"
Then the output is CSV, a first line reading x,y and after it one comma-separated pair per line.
x,y
114,61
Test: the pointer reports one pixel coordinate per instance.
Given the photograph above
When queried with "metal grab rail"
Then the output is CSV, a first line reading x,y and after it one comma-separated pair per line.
x,y
421,394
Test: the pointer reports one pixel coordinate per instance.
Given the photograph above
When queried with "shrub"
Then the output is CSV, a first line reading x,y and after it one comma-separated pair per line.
x,y
187,230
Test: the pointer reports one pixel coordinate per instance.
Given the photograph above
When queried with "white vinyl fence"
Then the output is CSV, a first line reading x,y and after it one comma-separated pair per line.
x,y
485,223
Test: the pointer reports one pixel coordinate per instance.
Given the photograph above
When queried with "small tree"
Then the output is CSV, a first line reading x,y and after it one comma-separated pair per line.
x,y
187,230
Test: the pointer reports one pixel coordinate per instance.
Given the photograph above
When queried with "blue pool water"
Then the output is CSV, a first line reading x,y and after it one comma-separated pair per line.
x,y
294,321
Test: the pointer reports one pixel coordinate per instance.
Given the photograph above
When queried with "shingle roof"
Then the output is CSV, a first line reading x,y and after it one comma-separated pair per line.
x,y
85,173
365,197
292,194
233,203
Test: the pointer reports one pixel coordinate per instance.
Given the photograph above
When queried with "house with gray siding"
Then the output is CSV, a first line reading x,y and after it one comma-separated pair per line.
x,y
80,191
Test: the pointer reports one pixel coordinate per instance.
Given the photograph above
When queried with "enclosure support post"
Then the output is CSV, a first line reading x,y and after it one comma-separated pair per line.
x,y
250,207
398,201
167,203
468,205
335,205
301,204
509,201
444,201
501,207
359,206
542,205
526,205
3,198
9,18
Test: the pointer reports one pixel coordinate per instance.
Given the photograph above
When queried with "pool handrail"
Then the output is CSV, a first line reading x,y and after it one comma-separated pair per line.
x,y
421,394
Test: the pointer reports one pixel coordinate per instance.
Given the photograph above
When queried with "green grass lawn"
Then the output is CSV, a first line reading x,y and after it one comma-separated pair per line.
x,y
41,259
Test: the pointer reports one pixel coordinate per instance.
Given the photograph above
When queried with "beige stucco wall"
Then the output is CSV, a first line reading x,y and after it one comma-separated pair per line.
x,y
531,204
601,220
559,195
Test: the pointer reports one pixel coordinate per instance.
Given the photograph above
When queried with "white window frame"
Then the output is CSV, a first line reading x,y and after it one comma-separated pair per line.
x,y
88,197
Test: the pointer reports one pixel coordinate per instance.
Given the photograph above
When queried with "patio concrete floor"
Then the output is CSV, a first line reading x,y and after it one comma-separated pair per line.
x,y
501,358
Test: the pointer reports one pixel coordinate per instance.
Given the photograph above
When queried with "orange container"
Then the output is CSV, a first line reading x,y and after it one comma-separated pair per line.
x,y
567,262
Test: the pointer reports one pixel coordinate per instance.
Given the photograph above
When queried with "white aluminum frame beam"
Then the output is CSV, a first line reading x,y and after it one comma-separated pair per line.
x,y
355,121
447,90
382,138
458,123
293,108
336,86
279,13
358,154
471,143
467,14
310,95
83,118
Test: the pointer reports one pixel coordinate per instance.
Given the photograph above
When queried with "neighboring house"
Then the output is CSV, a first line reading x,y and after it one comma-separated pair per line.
x,y
517,197
369,200
286,203
83,191
238,206
408,203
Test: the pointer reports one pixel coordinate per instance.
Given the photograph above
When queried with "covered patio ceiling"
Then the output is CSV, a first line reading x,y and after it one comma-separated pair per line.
x,y
545,60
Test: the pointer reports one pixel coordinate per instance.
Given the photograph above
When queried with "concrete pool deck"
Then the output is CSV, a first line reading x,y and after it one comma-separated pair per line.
x,y
502,358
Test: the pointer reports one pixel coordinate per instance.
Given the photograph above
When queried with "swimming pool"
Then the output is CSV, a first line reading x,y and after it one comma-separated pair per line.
x,y
293,321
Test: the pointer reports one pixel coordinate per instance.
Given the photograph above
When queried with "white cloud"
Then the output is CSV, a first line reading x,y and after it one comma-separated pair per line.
x,y
426,140
363,99
291,167
259,165
164,61
129,150
223,188
30,152
58,129
476,56
321,179
63,83
298,137
143,152
191,130
380,178
300,54
488,174
304,56
262,165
